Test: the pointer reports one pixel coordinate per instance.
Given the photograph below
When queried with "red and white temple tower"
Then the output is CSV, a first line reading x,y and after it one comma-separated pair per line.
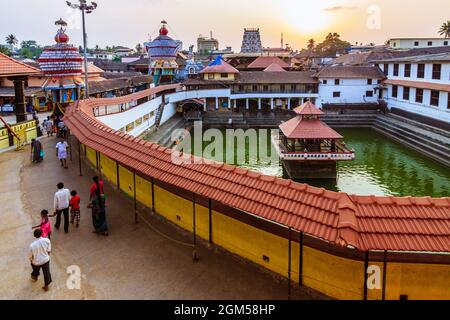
x,y
62,64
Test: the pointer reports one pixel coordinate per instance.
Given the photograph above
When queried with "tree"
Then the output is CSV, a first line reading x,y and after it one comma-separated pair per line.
x,y
332,45
139,48
11,40
5,50
311,44
30,49
445,29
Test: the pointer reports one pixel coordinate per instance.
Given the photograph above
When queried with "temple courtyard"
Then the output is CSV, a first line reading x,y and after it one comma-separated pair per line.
x,y
134,262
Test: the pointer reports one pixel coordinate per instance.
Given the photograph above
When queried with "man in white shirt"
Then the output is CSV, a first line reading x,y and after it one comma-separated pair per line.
x,y
40,258
61,152
61,205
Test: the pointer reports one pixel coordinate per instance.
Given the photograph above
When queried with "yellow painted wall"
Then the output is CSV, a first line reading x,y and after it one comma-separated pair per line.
x,y
337,277
108,168
218,76
91,156
418,281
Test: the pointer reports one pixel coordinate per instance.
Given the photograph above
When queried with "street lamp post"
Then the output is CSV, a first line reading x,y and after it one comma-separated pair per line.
x,y
84,8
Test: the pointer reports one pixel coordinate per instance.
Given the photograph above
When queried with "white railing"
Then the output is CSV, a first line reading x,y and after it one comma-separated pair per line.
x,y
318,156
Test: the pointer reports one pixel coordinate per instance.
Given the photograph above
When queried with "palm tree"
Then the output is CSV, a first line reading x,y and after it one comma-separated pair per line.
x,y
445,29
311,44
12,40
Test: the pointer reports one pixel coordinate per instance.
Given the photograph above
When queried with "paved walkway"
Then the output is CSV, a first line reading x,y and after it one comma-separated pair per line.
x,y
134,262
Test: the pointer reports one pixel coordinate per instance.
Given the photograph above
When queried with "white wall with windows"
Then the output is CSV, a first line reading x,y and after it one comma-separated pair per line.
x,y
338,91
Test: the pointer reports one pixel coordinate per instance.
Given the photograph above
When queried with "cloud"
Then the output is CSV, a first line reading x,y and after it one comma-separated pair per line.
x,y
340,8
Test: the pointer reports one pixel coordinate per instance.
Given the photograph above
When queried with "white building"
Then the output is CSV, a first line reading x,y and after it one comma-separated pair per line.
x,y
419,85
412,43
102,55
349,84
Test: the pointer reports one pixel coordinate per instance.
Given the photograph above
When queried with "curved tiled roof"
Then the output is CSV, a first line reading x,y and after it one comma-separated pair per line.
x,y
367,223
12,67
351,72
266,61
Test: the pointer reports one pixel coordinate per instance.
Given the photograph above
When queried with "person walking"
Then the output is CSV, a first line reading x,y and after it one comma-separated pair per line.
x,y
61,152
45,225
75,210
97,204
61,205
96,185
37,154
40,258
48,124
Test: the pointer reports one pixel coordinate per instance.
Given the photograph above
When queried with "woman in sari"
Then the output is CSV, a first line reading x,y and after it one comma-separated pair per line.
x,y
36,151
99,214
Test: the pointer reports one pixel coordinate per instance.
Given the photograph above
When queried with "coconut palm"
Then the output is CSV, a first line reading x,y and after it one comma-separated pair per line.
x,y
311,44
445,29
12,40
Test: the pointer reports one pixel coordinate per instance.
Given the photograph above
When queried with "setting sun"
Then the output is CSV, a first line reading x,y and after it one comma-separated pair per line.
x,y
313,20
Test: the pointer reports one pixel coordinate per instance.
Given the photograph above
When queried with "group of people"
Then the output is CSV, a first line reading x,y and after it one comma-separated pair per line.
x,y
65,202
55,125
37,151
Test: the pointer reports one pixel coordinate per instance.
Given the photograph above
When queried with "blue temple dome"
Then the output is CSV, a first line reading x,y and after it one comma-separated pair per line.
x,y
163,47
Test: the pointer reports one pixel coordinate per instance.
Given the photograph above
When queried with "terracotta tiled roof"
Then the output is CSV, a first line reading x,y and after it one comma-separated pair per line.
x,y
351,72
367,223
220,66
274,68
308,129
269,77
264,62
420,84
308,109
11,67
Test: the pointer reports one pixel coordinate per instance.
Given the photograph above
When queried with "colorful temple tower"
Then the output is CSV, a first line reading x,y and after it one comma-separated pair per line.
x,y
308,148
62,64
163,53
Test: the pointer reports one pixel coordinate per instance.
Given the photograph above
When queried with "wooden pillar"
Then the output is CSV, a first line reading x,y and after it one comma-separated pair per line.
x,y
97,157
210,222
300,262
153,195
19,91
289,264
194,229
79,157
366,266
383,294
135,198
118,176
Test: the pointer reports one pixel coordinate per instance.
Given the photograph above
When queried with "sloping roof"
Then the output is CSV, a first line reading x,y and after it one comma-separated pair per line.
x,y
265,61
420,84
10,92
297,128
274,68
270,77
308,109
351,72
220,67
367,223
422,58
12,67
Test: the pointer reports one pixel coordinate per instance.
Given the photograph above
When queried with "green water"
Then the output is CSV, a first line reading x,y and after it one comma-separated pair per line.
x,y
382,167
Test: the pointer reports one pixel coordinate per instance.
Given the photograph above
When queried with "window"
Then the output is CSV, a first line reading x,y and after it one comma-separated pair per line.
x,y
336,94
407,70
448,100
265,88
421,71
369,81
430,43
325,81
419,95
394,91
210,76
434,100
241,88
224,75
416,43
369,93
445,43
293,88
406,91
386,69
336,82
396,70
282,88
255,88
437,71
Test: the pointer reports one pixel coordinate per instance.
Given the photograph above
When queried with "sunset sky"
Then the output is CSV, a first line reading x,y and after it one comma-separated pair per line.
x,y
128,22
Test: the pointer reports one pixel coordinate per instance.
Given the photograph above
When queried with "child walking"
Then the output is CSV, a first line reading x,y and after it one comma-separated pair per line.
x,y
45,226
75,208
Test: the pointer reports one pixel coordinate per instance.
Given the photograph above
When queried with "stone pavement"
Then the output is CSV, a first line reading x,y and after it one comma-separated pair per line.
x,y
134,262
